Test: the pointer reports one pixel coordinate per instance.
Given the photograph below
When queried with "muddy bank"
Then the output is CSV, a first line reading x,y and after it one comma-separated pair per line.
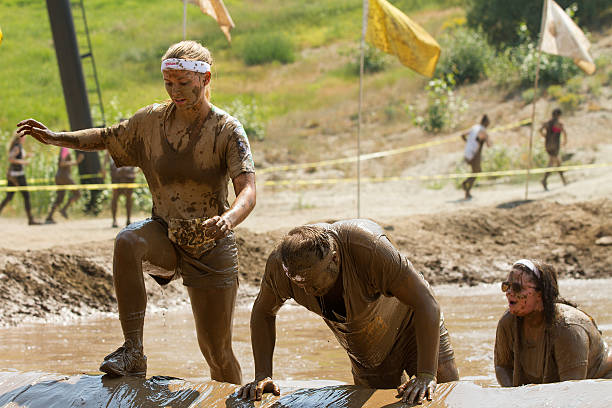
x,y
472,246
464,247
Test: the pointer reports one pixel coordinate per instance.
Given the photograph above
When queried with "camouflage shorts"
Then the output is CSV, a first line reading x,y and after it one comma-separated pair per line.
x,y
190,235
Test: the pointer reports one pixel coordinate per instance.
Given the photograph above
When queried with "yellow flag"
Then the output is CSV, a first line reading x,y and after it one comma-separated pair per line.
x,y
217,10
0,35
393,32
561,36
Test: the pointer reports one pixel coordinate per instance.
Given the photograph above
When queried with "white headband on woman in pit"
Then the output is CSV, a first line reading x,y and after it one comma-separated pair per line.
x,y
530,265
185,65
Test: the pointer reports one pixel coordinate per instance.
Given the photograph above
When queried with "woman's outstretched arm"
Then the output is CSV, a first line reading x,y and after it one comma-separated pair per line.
x,y
86,139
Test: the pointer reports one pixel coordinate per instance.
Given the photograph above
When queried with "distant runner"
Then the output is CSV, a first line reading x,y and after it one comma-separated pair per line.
x,y
17,158
63,178
378,306
543,338
475,138
551,131
125,174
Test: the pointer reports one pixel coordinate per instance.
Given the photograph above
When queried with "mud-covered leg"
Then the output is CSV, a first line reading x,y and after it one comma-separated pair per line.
x,y
213,311
144,240
128,206
114,202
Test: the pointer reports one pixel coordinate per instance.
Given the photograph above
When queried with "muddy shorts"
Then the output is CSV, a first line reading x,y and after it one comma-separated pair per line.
x,y
474,163
209,265
403,357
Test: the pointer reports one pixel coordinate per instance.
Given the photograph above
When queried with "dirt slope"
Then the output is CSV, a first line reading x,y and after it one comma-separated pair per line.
x,y
464,247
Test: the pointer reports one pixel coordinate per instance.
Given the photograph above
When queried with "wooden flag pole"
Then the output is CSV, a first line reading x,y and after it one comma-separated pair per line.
x,y
364,25
184,20
535,98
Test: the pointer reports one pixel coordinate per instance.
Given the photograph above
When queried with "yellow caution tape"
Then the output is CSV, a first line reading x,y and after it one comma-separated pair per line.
x,y
517,172
385,153
433,177
74,187
51,180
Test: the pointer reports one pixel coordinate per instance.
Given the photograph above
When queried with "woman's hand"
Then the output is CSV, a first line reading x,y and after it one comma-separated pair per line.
x,y
217,227
254,390
35,129
418,387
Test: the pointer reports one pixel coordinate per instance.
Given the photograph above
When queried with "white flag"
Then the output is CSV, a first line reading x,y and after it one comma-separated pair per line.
x,y
561,36
217,10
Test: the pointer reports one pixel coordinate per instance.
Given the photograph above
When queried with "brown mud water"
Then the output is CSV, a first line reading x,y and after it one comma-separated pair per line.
x,y
305,351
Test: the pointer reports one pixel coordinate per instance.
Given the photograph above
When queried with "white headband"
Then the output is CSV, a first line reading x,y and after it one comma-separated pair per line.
x,y
185,65
530,265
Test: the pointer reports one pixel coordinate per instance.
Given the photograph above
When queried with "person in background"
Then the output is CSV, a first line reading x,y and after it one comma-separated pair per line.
x,y
543,338
64,178
18,159
125,174
475,138
551,131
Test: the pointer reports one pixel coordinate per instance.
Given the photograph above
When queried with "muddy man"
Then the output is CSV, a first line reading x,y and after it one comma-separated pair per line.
x,y
188,150
381,310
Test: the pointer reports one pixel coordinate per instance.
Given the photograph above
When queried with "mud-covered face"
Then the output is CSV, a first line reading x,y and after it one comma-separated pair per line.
x,y
526,300
316,276
187,89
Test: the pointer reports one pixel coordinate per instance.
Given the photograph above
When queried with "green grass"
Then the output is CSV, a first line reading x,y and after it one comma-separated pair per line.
x,y
129,36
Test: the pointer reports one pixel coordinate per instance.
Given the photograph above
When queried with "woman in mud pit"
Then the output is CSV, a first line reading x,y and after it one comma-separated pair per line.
x,y
187,149
543,338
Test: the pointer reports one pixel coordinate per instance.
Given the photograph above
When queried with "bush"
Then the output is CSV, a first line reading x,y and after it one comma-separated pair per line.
x,y
528,95
248,114
443,107
555,91
374,60
570,102
262,49
465,54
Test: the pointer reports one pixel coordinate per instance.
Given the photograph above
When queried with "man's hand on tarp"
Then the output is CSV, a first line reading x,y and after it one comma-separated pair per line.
x,y
254,390
417,388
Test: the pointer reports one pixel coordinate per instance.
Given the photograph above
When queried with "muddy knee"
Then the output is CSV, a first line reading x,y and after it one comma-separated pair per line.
x,y
217,350
129,246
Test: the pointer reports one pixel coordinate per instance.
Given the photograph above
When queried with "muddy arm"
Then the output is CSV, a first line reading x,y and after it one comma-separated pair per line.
x,y
263,331
86,139
244,187
571,348
504,376
414,292
263,339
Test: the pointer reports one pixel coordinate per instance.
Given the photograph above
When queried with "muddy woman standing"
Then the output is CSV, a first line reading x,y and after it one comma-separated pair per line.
x,y
188,149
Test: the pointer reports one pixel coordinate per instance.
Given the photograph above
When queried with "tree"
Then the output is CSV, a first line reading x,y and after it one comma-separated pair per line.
x,y
499,19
